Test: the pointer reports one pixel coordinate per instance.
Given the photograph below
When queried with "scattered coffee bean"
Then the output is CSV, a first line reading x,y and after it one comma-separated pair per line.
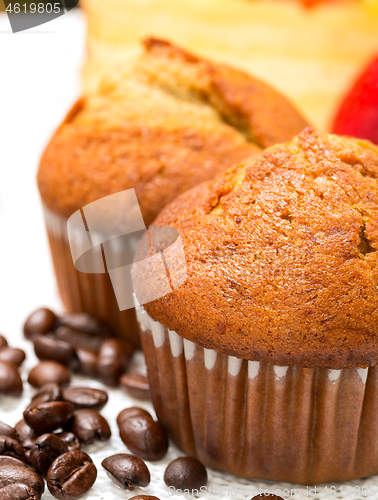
x,y
79,339
268,496
14,474
85,397
17,491
83,322
41,321
135,385
5,460
26,435
7,430
47,348
49,371
144,497
45,450
11,448
3,342
89,426
131,412
12,355
144,436
185,473
71,440
10,380
47,417
87,361
71,475
46,393
113,359
127,471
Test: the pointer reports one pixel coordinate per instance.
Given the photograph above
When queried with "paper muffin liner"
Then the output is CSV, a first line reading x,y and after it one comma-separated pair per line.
x,y
262,421
87,292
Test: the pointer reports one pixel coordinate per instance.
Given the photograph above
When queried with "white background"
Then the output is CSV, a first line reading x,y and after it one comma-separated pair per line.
x,y
39,80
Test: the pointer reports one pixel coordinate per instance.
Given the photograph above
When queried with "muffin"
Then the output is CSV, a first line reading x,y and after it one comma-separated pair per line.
x,y
264,362
161,125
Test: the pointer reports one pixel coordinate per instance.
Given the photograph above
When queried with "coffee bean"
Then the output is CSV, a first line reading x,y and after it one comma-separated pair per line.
x,y
5,460
14,474
89,426
185,473
46,393
113,360
135,385
71,440
127,471
79,339
10,380
3,342
47,348
87,361
12,355
41,321
85,397
49,371
268,496
144,497
47,417
45,450
83,322
131,412
7,430
26,435
11,448
17,491
71,475
144,436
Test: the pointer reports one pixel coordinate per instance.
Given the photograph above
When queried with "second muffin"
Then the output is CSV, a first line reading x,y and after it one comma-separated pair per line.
x,y
160,126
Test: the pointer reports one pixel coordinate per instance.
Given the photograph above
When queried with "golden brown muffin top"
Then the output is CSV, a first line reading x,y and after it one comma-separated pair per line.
x,y
281,255
162,125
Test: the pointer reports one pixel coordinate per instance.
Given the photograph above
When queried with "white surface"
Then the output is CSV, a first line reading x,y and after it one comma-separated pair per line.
x,y
39,80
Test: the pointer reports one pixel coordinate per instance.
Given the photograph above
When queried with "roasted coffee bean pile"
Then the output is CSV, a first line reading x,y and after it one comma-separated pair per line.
x,y
10,360
48,440
46,443
81,343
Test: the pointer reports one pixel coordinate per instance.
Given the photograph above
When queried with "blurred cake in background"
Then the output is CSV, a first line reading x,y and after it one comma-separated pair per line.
x,y
310,54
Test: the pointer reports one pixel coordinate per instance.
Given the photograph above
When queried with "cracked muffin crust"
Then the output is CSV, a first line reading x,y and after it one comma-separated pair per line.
x,y
166,123
281,256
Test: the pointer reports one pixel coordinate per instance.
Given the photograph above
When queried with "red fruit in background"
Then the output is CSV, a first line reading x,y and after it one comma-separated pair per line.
x,y
309,4
358,114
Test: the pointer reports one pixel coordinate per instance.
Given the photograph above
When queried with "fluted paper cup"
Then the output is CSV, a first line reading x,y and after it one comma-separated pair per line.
x,y
90,292
257,420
